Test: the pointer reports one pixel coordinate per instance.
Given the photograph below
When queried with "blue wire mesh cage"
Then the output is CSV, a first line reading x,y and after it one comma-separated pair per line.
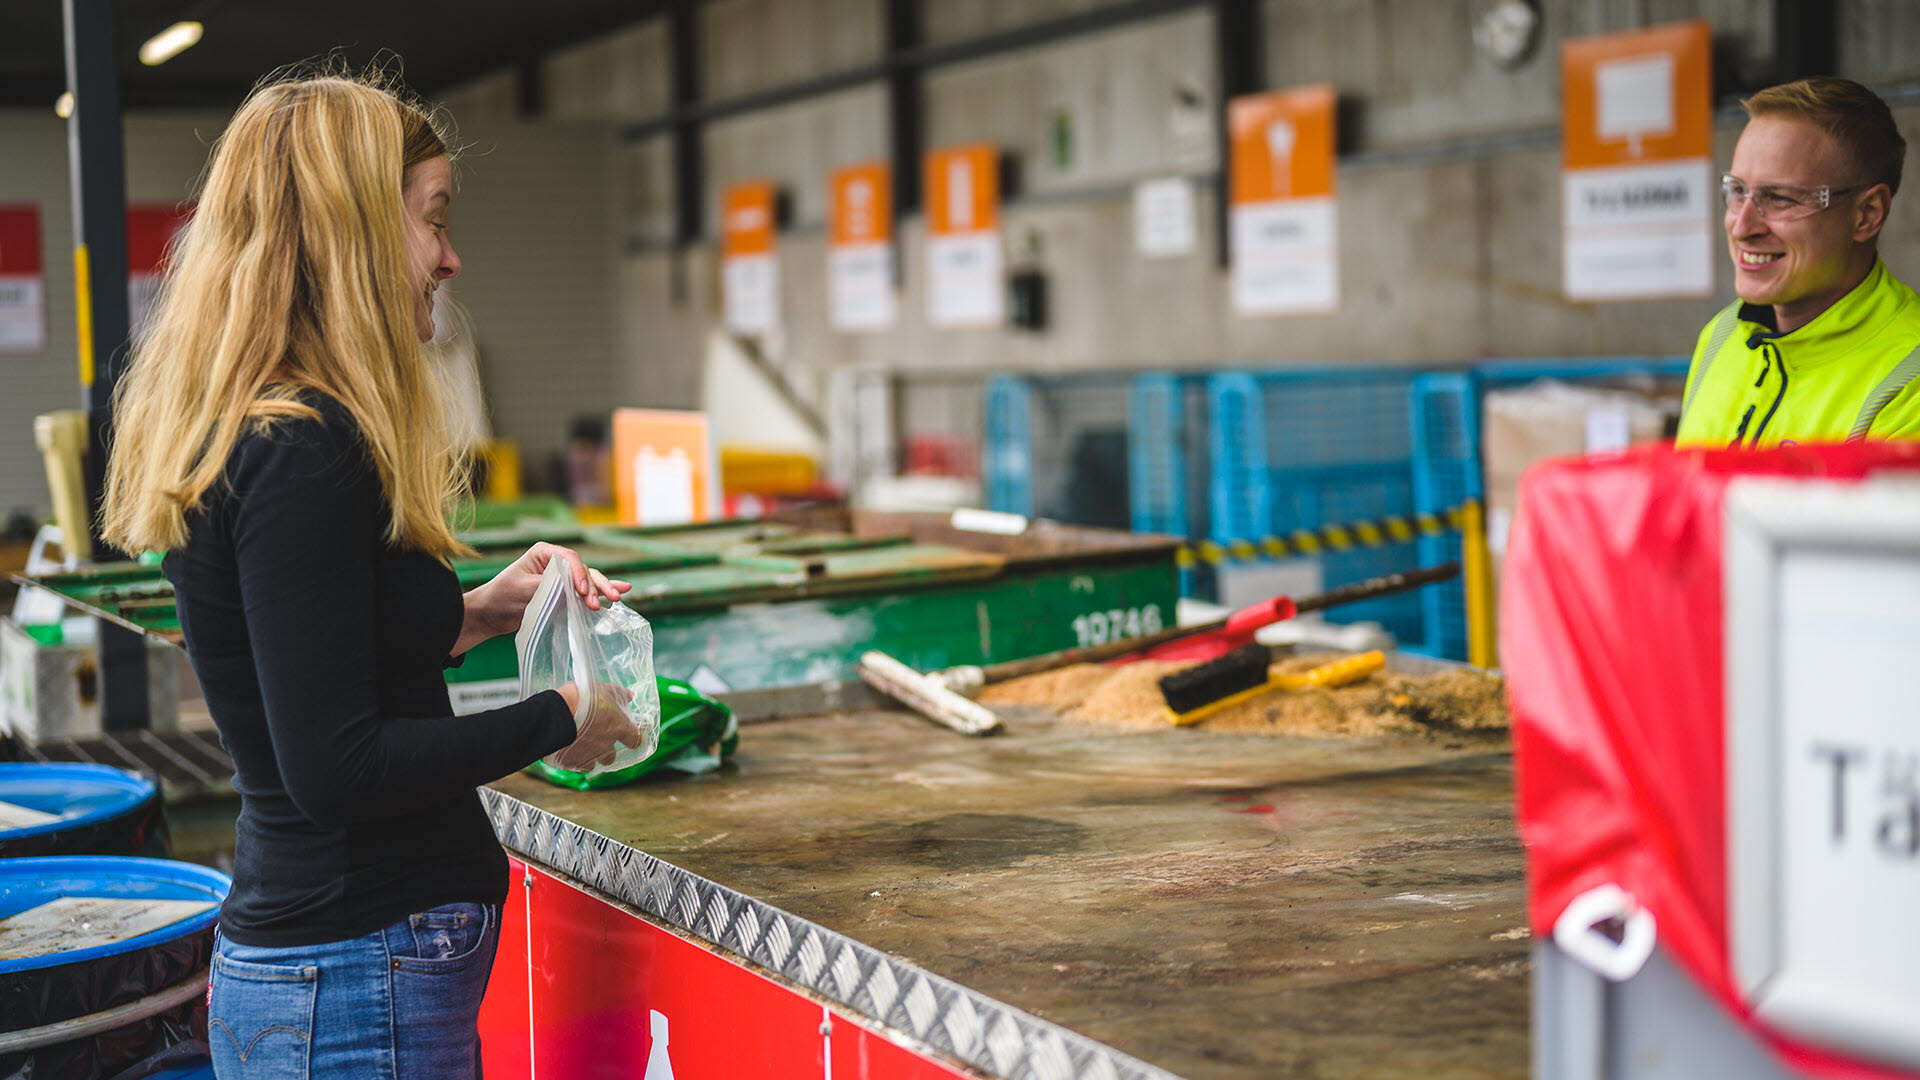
x,y
1057,447
1305,449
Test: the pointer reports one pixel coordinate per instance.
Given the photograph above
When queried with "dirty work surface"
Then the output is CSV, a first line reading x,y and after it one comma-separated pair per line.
x,y
1221,905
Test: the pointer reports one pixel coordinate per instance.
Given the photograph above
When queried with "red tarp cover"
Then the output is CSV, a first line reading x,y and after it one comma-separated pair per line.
x,y
1611,636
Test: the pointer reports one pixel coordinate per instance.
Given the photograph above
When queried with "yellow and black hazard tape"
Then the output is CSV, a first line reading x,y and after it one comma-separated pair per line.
x,y
1372,532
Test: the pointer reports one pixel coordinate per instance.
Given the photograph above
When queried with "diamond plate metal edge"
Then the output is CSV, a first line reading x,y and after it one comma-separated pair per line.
x,y
963,1024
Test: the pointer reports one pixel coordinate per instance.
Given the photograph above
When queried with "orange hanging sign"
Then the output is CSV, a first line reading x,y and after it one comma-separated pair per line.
x,y
963,189
860,276
746,219
1637,184
1284,228
749,270
1638,96
965,286
862,204
1282,144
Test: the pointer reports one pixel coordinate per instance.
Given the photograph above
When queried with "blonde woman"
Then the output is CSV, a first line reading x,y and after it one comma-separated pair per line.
x,y
278,436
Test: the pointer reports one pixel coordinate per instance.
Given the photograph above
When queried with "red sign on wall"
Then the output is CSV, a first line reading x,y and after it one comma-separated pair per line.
x,y
23,291
151,228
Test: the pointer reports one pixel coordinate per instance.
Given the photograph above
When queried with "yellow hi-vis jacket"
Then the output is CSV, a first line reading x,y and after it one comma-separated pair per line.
x,y
1852,373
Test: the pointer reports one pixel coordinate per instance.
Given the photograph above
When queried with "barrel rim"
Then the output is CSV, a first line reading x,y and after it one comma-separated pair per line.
x,y
213,883
142,786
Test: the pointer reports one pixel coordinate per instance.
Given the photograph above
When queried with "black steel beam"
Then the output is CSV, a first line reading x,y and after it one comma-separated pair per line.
x,y
689,172
906,122
1237,47
97,167
919,58
1805,39
530,88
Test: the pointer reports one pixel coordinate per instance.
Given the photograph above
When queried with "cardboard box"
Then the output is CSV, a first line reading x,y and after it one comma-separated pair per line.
x,y
1550,418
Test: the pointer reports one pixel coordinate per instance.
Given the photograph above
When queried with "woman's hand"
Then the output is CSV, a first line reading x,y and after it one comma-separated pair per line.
x,y
495,608
606,724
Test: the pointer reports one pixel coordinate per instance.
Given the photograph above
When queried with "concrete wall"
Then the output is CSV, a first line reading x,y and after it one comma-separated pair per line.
x,y
1449,187
534,221
164,154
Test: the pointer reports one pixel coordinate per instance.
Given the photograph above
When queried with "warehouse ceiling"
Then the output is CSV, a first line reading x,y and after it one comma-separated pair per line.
x,y
441,42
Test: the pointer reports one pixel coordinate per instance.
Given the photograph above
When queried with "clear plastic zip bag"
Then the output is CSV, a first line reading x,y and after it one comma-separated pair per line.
x,y
608,655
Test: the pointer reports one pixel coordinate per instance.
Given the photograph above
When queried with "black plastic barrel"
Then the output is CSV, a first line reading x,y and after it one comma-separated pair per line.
x,y
74,809
76,1002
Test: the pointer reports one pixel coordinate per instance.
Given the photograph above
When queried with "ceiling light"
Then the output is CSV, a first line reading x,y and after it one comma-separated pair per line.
x,y
63,105
169,43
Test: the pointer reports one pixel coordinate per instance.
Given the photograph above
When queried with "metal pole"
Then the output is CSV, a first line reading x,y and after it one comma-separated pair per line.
x,y
906,134
1237,50
96,163
689,179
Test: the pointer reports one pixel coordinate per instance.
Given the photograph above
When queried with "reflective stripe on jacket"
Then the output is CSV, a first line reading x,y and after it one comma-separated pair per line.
x,y
1852,373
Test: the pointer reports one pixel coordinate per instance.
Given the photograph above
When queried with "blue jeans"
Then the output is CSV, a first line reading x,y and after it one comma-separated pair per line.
x,y
402,1003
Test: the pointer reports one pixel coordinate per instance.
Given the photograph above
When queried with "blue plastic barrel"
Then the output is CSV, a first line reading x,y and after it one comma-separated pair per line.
x,y
115,1004
97,811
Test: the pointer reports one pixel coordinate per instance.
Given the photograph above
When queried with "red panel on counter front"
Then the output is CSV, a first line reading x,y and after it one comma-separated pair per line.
x,y
600,973
859,1054
504,1046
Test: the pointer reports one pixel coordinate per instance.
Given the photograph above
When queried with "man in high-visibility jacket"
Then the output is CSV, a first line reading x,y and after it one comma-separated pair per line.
x,y
1823,344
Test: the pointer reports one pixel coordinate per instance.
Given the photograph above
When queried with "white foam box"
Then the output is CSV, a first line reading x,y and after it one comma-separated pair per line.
x,y
53,691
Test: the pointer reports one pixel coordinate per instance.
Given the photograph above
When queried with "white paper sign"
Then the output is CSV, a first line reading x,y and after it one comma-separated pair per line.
x,y
1639,231
752,287
23,313
965,284
860,286
1164,217
1284,257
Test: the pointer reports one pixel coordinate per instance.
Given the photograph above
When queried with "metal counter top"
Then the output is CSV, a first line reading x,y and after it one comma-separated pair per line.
x,y
1214,905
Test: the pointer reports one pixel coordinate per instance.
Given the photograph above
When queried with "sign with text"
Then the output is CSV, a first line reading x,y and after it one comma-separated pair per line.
x,y
749,267
1637,181
1823,759
1284,229
1165,219
965,281
23,289
151,228
860,258
663,467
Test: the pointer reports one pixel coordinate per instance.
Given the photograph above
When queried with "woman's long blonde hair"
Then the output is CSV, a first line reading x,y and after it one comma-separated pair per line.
x,y
292,276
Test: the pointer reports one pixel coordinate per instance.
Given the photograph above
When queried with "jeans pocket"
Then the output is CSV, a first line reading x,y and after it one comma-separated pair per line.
x,y
260,1018
445,938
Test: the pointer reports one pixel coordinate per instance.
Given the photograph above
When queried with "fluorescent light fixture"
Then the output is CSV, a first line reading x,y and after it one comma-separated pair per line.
x,y
169,43
63,105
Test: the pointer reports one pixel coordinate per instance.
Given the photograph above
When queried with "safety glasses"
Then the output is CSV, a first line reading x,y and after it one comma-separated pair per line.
x,y
1779,202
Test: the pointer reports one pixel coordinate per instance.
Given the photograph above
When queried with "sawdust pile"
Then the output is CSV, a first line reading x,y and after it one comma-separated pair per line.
x,y
1127,698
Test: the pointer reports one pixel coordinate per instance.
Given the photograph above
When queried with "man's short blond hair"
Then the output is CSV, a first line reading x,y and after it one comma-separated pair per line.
x,y
1854,115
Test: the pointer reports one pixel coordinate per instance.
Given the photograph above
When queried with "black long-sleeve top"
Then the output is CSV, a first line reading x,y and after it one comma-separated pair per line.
x,y
320,649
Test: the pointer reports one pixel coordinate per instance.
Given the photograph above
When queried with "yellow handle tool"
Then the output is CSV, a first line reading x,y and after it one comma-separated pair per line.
x,y
1341,672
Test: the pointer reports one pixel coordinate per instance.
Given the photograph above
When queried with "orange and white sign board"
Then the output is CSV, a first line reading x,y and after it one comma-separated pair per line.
x,y
663,467
965,279
1284,228
749,266
860,258
1637,183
